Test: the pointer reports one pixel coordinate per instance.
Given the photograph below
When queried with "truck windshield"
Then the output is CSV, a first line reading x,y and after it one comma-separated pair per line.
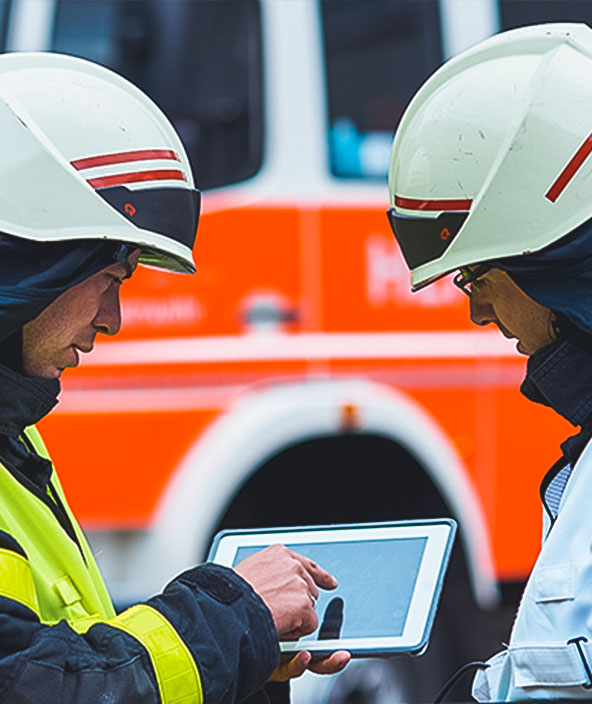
x,y
200,61
377,53
516,13
4,6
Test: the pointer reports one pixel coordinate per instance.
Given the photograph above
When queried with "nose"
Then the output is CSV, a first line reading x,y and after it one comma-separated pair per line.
x,y
481,311
108,317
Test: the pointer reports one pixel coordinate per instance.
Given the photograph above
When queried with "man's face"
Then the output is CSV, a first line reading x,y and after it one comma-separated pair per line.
x,y
495,298
53,340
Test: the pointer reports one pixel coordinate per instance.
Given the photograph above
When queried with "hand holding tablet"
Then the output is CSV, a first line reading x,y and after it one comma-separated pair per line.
x,y
289,585
389,580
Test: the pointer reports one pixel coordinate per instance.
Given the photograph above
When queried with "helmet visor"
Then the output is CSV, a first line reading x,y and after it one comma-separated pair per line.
x,y
424,239
172,212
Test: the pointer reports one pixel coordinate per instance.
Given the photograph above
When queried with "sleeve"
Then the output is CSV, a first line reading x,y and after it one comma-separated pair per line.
x,y
207,638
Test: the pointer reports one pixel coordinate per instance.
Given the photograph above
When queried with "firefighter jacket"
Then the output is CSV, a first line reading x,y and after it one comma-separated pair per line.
x,y
207,638
549,655
550,650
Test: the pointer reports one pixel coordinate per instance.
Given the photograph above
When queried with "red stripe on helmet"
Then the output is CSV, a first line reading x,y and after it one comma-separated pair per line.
x,y
137,176
570,170
121,157
443,204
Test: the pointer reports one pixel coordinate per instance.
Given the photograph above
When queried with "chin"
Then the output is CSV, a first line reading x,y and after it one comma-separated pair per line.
x,y
42,372
51,374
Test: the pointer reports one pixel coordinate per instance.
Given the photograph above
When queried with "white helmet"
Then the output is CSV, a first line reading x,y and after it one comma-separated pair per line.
x,y
491,158
86,155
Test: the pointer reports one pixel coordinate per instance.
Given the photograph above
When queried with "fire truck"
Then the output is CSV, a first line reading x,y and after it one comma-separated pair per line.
x,y
295,379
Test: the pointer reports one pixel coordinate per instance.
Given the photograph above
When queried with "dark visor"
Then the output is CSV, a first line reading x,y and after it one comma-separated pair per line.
x,y
172,212
424,239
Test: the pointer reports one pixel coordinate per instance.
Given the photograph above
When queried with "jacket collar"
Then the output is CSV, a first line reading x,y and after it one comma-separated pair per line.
x,y
24,400
560,376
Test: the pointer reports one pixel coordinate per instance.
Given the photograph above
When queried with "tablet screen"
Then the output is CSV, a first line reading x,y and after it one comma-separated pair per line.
x,y
389,580
362,606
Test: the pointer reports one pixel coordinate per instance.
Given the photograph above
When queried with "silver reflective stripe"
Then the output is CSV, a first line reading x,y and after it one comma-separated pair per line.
x,y
551,666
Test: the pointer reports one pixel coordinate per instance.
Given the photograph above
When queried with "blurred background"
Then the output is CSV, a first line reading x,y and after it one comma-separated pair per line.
x,y
295,379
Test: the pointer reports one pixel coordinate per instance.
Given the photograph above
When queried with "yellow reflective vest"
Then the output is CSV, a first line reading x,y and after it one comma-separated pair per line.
x,y
59,580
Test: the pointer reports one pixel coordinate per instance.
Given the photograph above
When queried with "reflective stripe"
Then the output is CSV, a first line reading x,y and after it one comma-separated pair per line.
x,y
526,666
550,665
16,580
176,672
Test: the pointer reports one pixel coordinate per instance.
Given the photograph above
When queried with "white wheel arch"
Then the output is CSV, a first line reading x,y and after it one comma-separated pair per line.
x,y
263,423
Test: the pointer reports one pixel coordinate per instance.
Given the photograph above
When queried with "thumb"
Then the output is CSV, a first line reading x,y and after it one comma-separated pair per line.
x,y
291,669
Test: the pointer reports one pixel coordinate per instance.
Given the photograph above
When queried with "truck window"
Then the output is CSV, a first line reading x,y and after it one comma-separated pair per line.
x,y
200,61
4,8
517,13
377,53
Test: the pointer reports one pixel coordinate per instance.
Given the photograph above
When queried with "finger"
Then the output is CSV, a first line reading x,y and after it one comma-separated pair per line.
x,y
318,574
329,666
306,576
308,624
291,669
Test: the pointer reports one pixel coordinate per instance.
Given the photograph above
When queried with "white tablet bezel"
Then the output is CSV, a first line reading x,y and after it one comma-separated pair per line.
x,y
439,535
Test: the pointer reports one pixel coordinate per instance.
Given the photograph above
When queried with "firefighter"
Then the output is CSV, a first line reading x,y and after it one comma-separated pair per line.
x,y
491,179
94,181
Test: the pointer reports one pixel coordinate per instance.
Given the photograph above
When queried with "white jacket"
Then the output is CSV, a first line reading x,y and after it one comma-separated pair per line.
x,y
556,607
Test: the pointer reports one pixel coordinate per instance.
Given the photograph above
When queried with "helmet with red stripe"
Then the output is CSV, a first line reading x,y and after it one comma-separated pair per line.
x,y
86,155
492,158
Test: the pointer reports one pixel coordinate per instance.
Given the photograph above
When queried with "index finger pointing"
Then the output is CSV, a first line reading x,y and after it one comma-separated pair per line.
x,y
320,576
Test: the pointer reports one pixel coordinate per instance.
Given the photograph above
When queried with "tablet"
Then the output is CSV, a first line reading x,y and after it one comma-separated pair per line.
x,y
389,578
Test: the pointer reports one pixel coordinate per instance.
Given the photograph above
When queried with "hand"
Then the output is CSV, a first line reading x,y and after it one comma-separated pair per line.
x,y
288,584
303,661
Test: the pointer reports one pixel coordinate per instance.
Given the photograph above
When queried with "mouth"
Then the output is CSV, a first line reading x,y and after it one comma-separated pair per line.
x,y
76,354
506,333
520,349
77,351
509,336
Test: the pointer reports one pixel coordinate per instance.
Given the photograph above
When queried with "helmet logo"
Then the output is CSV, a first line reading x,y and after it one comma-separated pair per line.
x,y
445,234
129,209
